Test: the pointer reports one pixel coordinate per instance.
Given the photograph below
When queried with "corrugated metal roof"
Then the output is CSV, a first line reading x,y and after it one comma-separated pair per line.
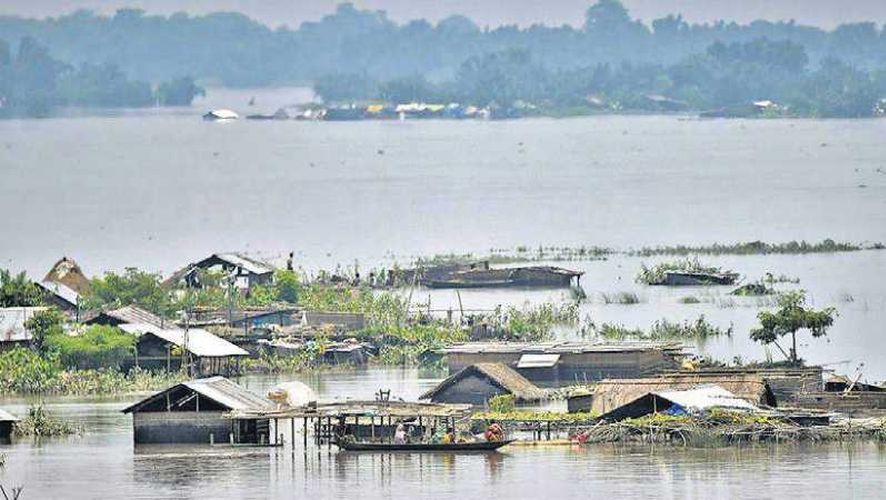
x,y
200,342
135,314
5,416
61,291
538,360
249,264
706,397
228,393
12,323
559,347
220,390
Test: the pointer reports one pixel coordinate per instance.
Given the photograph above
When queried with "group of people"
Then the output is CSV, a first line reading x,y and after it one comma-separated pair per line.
x,y
494,433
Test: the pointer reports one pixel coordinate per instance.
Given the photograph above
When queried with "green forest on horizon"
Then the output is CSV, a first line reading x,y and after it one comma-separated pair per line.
x,y
612,62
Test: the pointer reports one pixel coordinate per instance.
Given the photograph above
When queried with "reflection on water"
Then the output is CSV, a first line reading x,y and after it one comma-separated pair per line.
x,y
103,463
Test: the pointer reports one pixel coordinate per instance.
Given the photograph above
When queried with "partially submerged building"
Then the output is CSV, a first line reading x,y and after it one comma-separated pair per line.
x,y
7,422
245,271
560,363
196,411
485,277
166,348
12,326
477,384
696,278
695,401
611,394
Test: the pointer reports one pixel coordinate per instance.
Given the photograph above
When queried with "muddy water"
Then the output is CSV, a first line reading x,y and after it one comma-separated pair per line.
x,y
103,463
159,189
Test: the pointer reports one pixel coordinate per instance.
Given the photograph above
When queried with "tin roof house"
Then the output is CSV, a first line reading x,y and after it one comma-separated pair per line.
x,y
197,411
245,271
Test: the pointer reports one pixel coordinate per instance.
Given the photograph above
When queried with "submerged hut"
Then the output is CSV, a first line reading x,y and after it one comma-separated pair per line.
x,y
7,422
195,412
484,277
204,353
611,394
696,278
559,363
681,402
478,383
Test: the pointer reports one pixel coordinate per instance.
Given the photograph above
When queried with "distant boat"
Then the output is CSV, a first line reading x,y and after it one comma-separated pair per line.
x,y
221,114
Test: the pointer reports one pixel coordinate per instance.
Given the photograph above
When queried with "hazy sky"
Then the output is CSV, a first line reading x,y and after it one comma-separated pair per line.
x,y
826,13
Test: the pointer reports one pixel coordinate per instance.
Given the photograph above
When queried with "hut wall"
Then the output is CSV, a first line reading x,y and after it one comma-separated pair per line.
x,y
471,389
578,404
180,427
5,429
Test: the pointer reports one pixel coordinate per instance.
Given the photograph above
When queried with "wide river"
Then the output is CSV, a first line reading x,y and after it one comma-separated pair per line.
x,y
158,189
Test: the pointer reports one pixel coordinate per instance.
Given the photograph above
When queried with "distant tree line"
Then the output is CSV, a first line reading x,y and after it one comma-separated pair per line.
x,y
33,83
355,52
729,77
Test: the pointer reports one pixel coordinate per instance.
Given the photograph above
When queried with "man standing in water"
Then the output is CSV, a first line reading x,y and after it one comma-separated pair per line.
x,y
289,261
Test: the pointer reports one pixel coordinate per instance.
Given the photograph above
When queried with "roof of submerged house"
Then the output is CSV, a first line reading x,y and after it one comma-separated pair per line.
x,y
500,375
239,260
613,393
199,342
706,397
559,347
219,389
135,314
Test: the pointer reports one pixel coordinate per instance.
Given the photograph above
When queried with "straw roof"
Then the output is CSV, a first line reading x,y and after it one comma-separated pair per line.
x,y
68,273
613,393
499,375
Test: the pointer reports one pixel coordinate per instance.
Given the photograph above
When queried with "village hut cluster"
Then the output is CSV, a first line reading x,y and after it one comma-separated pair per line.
x,y
573,389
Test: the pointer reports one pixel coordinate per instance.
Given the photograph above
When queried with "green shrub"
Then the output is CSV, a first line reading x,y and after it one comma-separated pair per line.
x,y
39,422
99,346
287,285
24,371
503,403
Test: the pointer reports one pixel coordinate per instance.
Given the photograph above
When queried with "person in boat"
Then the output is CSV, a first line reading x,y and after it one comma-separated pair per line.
x,y
494,432
449,437
400,436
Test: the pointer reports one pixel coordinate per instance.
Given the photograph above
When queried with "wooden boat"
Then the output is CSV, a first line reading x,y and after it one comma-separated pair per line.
x,y
415,447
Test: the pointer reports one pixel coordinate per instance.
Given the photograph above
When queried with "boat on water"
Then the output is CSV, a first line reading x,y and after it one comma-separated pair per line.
x,y
424,447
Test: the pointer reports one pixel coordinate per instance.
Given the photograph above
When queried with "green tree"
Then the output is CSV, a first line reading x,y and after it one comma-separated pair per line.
x,y
179,92
45,325
791,317
18,290
99,346
133,287
287,285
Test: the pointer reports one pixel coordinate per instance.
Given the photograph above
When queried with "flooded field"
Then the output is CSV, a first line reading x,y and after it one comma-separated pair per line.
x,y
103,463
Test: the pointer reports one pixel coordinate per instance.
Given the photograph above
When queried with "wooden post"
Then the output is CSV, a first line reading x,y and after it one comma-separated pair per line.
x,y
305,437
292,433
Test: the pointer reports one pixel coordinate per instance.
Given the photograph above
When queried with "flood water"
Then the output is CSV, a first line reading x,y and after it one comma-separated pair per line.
x,y
103,463
158,189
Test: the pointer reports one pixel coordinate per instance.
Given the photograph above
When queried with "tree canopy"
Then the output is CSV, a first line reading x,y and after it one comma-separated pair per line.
x,y
791,317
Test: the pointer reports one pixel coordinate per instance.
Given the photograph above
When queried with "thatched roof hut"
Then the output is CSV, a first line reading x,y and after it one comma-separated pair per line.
x,y
68,273
611,394
477,383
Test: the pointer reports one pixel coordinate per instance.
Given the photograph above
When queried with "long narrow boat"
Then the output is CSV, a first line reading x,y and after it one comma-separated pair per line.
x,y
437,447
